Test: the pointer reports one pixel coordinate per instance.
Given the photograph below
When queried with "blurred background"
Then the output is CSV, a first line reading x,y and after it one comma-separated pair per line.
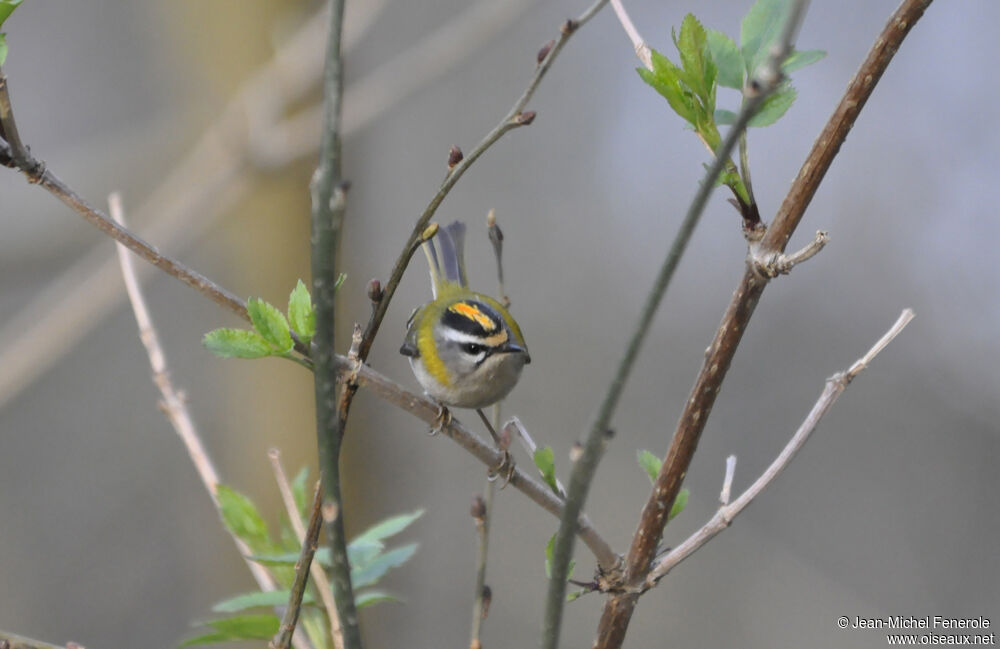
x,y
108,539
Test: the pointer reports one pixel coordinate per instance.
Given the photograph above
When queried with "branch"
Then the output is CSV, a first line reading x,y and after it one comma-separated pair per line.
x,y
641,48
427,411
619,608
835,385
218,171
513,119
593,447
328,206
11,641
174,405
17,156
298,588
319,576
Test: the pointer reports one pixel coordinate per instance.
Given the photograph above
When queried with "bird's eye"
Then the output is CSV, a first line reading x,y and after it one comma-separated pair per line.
x,y
472,349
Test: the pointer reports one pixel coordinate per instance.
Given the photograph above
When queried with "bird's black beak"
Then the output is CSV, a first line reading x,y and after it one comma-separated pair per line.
x,y
515,348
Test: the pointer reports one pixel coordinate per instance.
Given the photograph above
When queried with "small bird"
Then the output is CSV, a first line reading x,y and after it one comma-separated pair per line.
x,y
465,348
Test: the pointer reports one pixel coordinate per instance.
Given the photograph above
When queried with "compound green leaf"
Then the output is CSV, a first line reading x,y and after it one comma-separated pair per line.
x,y
300,313
241,517
760,29
546,463
650,464
246,627
236,343
7,7
386,528
774,106
679,504
798,60
270,323
369,597
375,570
727,58
257,599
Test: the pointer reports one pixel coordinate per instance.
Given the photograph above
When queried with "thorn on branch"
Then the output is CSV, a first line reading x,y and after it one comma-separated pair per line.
x,y
568,27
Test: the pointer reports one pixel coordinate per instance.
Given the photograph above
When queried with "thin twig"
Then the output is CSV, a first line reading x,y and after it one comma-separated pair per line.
x,y
513,119
528,442
291,617
11,641
593,446
835,385
328,207
428,412
319,576
618,609
641,48
218,171
174,405
36,173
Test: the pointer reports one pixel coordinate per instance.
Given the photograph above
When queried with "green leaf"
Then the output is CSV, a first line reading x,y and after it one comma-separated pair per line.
x,y
376,569
3,48
247,627
257,600
798,60
725,117
699,69
270,323
546,463
359,554
575,595
727,58
679,504
650,463
340,281
549,551
241,517
666,80
236,343
761,28
7,7
774,106
369,597
300,312
389,527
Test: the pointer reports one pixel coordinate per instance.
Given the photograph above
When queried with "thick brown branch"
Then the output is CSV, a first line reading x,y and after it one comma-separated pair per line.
x,y
619,608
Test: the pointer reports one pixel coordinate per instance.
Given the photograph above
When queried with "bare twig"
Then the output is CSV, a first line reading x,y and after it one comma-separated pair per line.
x,y
776,263
596,439
328,207
619,608
11,641
641,48
835,385
529,444
513,119
36,173
315,570
298,589
218,171
428,412
174,405
727,481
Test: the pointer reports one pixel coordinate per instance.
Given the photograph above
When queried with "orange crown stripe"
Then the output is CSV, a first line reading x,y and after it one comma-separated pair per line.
x,y
472,312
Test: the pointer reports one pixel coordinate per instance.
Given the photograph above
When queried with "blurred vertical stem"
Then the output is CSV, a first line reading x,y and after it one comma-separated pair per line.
x,y
328,205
